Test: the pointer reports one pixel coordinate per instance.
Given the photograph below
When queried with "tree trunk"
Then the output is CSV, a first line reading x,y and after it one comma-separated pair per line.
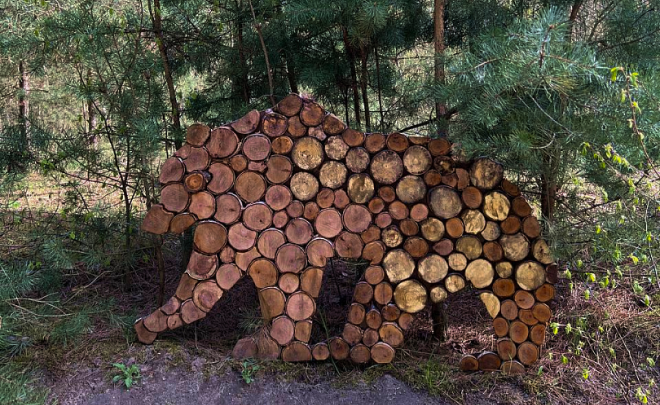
x,y
380,95
23,103
351,63
439,46
364,83
245,84
291,72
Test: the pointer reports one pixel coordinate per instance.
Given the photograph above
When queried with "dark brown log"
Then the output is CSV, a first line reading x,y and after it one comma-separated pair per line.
x,y
383,293
272,302
506,349
374,252
524,299
493,251
332,125
325,198
527,317
304,186
454,283
409,227
545,293
405,320
445,202
352,334
333,174
528,353
290,258
227,276
371,234
504,287
223,143
336,148
171,171
341,197
200,266
391,236
356,313
267,347
416,247
278,197
243,259
480,273
279,169
156,322
469,362
289,105
376,205
411,189
360,354
454,227
349,245
210,237
552,273
419,212
247,124
295,209
501,326
418,140
198,159
541,312
417,160
352,137
390,312
206,294
282,330
382,353
486,174
190,312
509,309
530,275
311,281
472,197
328,223
473,221
321,351
256,147
531,227
457,261
296,128
386,168
280,219
387,193
183,151
202,205
339,349
363,292
373,320
174,197
195,181
491,302
410,296
319,250
537,334
463,178
450,180
432,178
250,186
439,147
263,273
397,142
228,208
143,334
174,321
303,330
391,334
357,160
240,237
158,220
171,306
282,145
432,268
311,114
297,351
299,231
520,207
273,124
185,288
238,163
512,368
510,188
510,225
374,142
288,282
444,164
317,132
489,361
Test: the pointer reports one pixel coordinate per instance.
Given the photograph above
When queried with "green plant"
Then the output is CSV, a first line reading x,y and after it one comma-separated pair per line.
x,y
248,369
128,375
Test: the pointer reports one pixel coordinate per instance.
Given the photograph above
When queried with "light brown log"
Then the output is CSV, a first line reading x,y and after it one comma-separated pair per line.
x,y
190,312
271,302
206,294
356,218
299,231
304,186
263,273
524,299
336,148
405,320
210,237
158,220
398,265
363,292
183,151
450,180
273,124
317,132
528,353
501,327
328,223
238,163
386,167
373,319
250,186
391,334
376,205
307,153
295,209
374,142
227,254
491,232
289,105
374,275
468,363
387,193
256,147
512,367
195,181
418,140
516,247
493,251
228,208
437,294
290,258
463,178
339,349
370,337
198,159
472,197
341,198
541,312
267,347
311,281
504,269
489,361
202,205
432,268
480,273
357,160
439,147
509,309
303,330
143,334
349,245
457,261
227,275
201,266
247,124
510,225
360,354
411,189
360,188
504,287
417,160
541,251
243,259
432,178
520,207
496,206
171,306
454,283
383,293
222,143
397,142
333,174
419,212
491,302
171,171
282,145
240,237
353,138
372,233
410,296
320,351
445,202
318,251
185,288
174,321
382,353
156,322
288,282
390,312
473,221
527,317
454,227
530,275
470,246
257,166
174,197
311,113
398,210
486,173
545,293
325,198
296,352
409,227
506,349
392,237
282,330
537,334
374,252
352,334
416,247
432,229
280,219
356,313
269,241
296,129
279,169
332,125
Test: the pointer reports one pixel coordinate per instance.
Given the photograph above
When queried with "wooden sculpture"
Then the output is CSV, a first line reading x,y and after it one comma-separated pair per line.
x,y
276,193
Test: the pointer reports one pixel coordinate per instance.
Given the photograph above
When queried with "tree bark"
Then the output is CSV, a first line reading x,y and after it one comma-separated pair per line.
x,y
364,82
351,63
23,103
439,48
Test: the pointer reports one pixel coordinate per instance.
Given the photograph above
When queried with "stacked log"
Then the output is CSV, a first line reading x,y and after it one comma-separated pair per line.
x,y
276,193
